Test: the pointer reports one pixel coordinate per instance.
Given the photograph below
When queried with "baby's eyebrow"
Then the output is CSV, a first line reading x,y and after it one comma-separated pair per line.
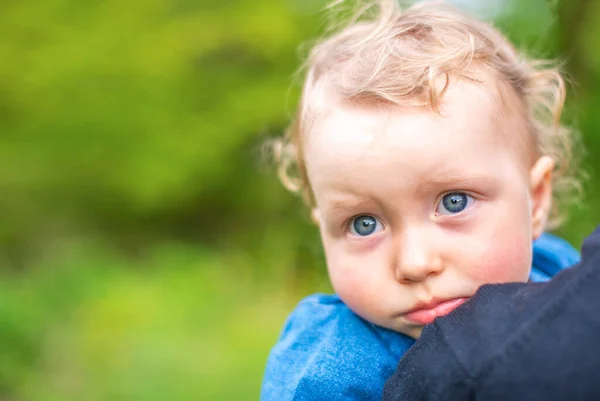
x,y
345,205
461,180
340,205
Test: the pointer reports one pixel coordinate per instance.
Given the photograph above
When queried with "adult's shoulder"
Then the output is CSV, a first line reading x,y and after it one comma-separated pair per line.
x,y
512,341
492,318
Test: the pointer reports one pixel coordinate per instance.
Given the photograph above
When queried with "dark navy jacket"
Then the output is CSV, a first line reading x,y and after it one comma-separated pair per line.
x,y
530,342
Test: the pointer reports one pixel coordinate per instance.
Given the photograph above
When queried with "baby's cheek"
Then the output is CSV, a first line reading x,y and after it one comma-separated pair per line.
x,y
356,291
349,287
505,260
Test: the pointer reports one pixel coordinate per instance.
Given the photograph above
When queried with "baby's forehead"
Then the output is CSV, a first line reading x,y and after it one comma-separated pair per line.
x,y
484,106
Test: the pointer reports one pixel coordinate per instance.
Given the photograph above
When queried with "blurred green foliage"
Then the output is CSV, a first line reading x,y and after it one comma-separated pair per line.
x,y
145,251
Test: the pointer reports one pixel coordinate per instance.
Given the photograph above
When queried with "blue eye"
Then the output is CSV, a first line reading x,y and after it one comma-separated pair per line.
x,y
454,203
364,225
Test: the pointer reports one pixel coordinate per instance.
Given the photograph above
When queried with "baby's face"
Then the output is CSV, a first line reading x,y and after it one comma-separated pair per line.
x,y
418,210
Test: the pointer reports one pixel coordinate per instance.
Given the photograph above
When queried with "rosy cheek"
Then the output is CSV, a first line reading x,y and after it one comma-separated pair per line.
x,y
505,260
348,285
356,289
347,274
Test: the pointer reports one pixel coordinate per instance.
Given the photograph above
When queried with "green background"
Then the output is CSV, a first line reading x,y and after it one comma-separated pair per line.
x,y
146,252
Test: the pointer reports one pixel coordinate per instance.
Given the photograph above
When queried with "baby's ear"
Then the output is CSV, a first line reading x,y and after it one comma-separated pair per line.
x,y
540,179
315,215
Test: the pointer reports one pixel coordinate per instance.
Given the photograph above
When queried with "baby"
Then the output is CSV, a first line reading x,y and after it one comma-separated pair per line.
x,y
430,153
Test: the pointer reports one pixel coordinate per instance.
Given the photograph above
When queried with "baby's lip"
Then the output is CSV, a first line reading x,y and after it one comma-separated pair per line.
x,y
426,312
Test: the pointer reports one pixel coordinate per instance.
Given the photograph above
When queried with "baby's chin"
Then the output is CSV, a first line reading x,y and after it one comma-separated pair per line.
x,y
413,331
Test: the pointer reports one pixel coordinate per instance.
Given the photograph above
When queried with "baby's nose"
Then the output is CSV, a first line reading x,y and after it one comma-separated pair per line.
x,y
417,259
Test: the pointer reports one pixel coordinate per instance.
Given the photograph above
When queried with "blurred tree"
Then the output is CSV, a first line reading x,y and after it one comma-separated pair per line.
x,y
138,122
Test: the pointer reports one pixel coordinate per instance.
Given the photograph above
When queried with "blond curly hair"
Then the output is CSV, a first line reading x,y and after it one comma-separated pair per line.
x,y
386,55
